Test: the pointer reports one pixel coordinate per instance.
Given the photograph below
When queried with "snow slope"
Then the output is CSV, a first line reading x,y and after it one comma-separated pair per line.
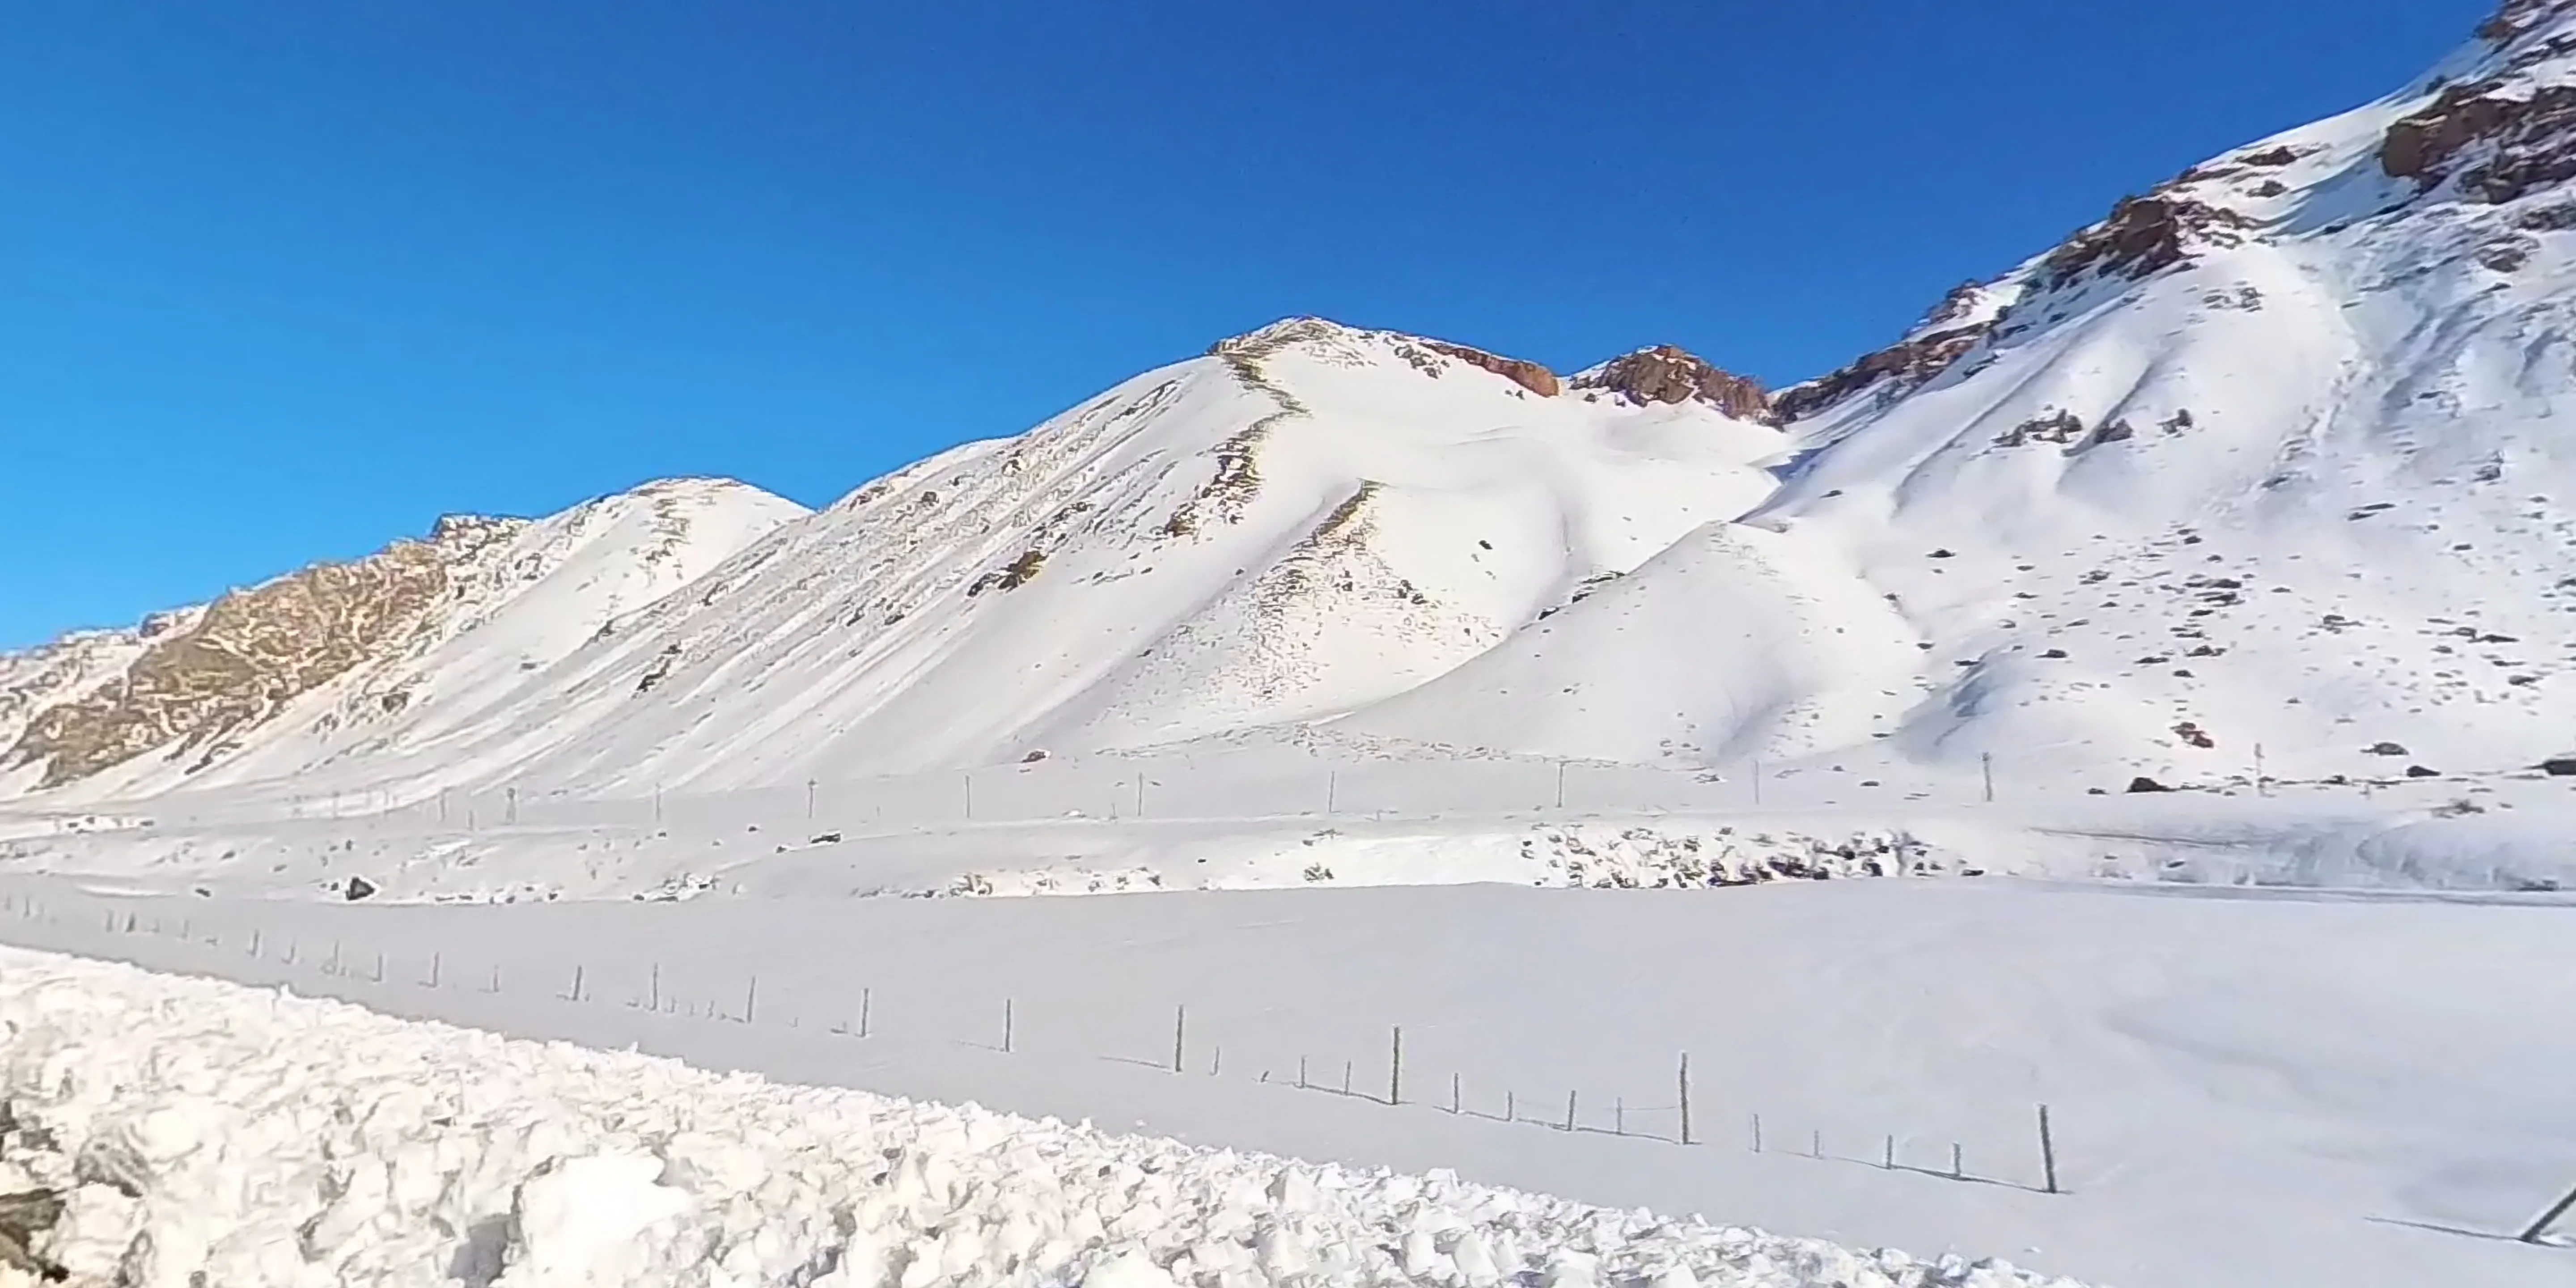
x,y
1306,520
2276,456
382,658
255,1138
2264,474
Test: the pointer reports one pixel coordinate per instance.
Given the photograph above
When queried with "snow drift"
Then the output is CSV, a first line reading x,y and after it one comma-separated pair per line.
x,y
202,1133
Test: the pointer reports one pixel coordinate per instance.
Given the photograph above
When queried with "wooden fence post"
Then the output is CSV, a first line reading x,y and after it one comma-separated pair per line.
x,y
2047,1151
1686,1135
1395,1069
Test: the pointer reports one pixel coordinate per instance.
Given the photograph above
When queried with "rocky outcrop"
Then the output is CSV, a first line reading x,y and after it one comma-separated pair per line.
x,y
1237,477
2144,236
74,665
1963,319
2515,18
1528,375
1909,364
2490,141
1017,573
24,1216
1664,374
252,653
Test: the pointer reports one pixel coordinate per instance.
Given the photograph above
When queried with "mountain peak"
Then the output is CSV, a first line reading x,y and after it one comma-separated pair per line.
x,y
464,527
1315,331
1300,329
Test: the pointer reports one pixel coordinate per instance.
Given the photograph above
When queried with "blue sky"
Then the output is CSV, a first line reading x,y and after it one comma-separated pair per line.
x,y
287,280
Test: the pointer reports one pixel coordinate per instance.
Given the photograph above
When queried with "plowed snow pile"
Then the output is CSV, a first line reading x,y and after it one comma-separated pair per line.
x,y
201,1133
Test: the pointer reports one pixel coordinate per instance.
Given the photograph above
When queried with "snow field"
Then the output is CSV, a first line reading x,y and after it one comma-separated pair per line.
x,y
2252,1088
1251,822
205,1133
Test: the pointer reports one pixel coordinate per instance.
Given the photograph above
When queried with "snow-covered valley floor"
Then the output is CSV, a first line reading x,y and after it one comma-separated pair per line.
x,y
1267,819
2247,1087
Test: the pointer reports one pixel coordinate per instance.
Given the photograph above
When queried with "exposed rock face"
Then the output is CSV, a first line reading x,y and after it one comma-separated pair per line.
x,y
1664,374
1528,375
71,666
2517,17
2492,142
250,654
2145,235
1910,363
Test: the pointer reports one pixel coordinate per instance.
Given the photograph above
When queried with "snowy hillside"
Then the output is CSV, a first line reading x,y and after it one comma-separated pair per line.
x,y
2275,455
359,660
1306,520
2265,475
71,668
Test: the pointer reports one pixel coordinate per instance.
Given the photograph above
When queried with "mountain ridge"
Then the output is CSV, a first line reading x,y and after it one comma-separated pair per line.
x,y
2100,510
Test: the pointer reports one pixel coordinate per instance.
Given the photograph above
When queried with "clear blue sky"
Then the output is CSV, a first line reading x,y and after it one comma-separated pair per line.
x,y
285,280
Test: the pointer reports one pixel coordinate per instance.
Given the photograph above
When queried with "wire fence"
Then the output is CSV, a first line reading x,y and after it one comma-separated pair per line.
x,y
1685,1116
1691,1118
1044,791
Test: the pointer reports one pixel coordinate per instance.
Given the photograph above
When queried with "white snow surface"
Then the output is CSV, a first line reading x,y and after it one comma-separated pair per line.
x,y
2251,1088
205,1133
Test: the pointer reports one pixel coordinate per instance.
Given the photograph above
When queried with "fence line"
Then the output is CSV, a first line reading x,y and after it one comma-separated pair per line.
x,y
1033,791
656,1000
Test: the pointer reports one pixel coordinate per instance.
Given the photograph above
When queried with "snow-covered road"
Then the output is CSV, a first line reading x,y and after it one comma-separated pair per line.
x,y
203,1133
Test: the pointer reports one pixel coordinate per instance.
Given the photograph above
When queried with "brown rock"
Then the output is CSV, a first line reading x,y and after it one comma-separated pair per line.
x,y
2056,426
2522,143
1528,375
1910,364
1017,573
253,652
2143,236
2515,18
1664,374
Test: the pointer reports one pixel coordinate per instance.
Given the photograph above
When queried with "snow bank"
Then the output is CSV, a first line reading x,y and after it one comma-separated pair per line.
x,y
205,1133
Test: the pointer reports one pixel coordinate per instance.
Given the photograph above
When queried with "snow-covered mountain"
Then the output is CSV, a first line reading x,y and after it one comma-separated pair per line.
x,y
357,660
2278,453
1305,520
2271,456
